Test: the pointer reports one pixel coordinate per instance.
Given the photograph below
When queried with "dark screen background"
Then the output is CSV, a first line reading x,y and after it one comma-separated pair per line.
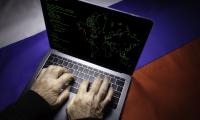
x,y
99,35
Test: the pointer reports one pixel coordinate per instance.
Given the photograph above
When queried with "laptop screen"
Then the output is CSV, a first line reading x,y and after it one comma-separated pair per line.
x,y
102,36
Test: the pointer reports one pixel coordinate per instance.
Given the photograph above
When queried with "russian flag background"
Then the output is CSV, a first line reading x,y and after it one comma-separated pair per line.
x,y
166,82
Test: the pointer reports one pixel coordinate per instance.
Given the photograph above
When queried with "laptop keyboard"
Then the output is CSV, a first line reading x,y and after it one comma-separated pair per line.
x,y
83,72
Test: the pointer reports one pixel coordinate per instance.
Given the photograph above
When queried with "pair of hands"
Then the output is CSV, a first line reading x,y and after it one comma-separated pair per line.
x,y
53,84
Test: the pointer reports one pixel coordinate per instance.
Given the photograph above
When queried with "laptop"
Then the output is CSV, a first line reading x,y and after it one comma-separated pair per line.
x,y
91,40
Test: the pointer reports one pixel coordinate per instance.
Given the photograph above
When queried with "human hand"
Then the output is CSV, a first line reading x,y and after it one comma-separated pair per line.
x,y
90,104
52,84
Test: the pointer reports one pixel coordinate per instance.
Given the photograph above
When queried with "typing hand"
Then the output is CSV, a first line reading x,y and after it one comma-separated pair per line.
x,y
53,84
90,104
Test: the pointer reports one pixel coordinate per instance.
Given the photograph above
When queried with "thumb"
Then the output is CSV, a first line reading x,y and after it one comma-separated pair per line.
x,y
63,96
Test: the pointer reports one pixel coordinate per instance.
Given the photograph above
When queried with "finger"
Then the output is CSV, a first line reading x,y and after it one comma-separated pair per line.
x,y
70,104
96,85
55,71
108,97
83,87
103,90
58,70
63,96
42,73
64,80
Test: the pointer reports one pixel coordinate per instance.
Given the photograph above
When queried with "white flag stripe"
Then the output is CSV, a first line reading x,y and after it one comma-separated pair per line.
x,y
20,19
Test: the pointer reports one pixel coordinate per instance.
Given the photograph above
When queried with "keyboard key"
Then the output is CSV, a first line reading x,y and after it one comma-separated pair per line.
x,y
70,65
113,80
64,59
69,60
117,77
79,80
117,94
95,70
112,76
85,71
80,75
122,79
75,85
84,66
101,72
91,78
65,63
79,64
115,100
75,63
89,68
59,57
119,89
55,63
53,55
51,58
114,86
86,77
55,60
60,62
73,90
75,67
91,72
96,74
80,69
71,70
106,74
75,73
120,83
48,63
